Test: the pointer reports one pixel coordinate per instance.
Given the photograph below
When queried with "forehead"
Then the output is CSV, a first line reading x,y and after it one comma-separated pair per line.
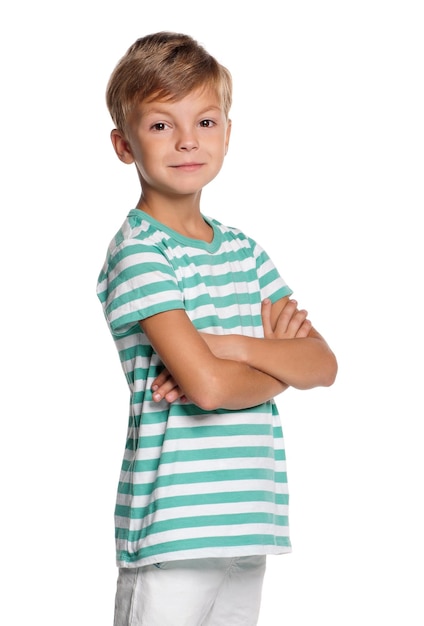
x,y
205,97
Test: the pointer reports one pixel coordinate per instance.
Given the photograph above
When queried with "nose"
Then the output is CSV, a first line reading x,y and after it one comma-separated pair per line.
x,y
187,140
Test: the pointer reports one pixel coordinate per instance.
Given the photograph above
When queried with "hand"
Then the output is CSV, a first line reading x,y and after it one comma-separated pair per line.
x,y
165,387
290,324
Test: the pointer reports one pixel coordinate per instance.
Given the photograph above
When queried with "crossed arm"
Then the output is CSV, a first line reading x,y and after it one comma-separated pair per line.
x,y
235,371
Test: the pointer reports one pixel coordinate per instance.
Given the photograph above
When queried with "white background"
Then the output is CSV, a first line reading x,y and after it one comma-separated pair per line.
x,y
325,170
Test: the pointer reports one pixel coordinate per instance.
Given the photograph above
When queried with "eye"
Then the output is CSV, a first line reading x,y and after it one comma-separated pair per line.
x,y
159,126
207,123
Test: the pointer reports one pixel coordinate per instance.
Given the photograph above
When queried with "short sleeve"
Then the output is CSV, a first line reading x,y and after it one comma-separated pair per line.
x,y
137,281
271,284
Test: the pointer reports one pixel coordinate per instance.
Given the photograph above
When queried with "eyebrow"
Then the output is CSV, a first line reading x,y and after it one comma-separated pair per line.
x,y
156,109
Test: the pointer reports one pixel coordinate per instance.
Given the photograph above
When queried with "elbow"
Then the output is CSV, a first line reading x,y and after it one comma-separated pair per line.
x,y
207,401
323,375
330,371
208,404
209,395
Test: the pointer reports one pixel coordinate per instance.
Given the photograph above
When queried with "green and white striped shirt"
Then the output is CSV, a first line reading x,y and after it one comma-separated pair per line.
x,y
193,483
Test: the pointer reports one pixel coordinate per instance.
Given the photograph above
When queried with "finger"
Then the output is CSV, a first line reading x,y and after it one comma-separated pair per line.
x,y
171,396
285,317
304,329
160,379
164,389
296,322
175,394
266,308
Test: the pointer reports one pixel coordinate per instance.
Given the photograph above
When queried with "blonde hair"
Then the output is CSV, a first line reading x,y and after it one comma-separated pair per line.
x,y
164,66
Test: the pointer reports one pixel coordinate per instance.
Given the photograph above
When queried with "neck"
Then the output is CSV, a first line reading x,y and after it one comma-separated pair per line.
x,y
180,213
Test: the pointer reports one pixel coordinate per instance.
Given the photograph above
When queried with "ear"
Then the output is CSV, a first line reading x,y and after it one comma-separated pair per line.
x,y
121,146
227,136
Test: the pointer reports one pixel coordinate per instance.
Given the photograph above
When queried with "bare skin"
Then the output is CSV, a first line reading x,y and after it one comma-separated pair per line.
x,y
290,323
178,147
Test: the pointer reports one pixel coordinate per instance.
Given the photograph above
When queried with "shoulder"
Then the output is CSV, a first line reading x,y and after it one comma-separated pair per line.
x,y
135,236
137,247
136,229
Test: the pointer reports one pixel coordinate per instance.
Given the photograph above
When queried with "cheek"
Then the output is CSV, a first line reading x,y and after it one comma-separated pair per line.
x,y
145,160
223,149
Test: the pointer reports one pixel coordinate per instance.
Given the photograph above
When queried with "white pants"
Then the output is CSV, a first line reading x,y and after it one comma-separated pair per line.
x,y
197,592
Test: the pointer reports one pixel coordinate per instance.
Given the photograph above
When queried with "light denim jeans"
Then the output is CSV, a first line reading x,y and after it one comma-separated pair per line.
x,y
197,592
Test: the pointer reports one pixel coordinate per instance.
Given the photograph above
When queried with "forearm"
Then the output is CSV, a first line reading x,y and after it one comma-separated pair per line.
x,y
206,379
236,385
301,363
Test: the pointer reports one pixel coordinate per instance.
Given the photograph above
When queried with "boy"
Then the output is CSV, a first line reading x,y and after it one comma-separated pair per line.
x,y
207,336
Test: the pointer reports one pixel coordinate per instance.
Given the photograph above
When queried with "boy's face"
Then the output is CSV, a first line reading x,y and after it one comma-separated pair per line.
x,y
178,147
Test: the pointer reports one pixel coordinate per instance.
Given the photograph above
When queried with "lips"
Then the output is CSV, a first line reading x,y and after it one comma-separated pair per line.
x,y
188,167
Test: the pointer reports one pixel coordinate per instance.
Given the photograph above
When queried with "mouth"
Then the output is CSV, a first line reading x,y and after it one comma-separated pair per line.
x,y
187,167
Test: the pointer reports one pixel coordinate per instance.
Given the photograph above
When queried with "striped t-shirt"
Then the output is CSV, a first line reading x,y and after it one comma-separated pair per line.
x,y
193,483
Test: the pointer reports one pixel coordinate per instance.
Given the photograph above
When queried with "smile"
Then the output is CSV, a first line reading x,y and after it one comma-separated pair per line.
x,y
188,167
